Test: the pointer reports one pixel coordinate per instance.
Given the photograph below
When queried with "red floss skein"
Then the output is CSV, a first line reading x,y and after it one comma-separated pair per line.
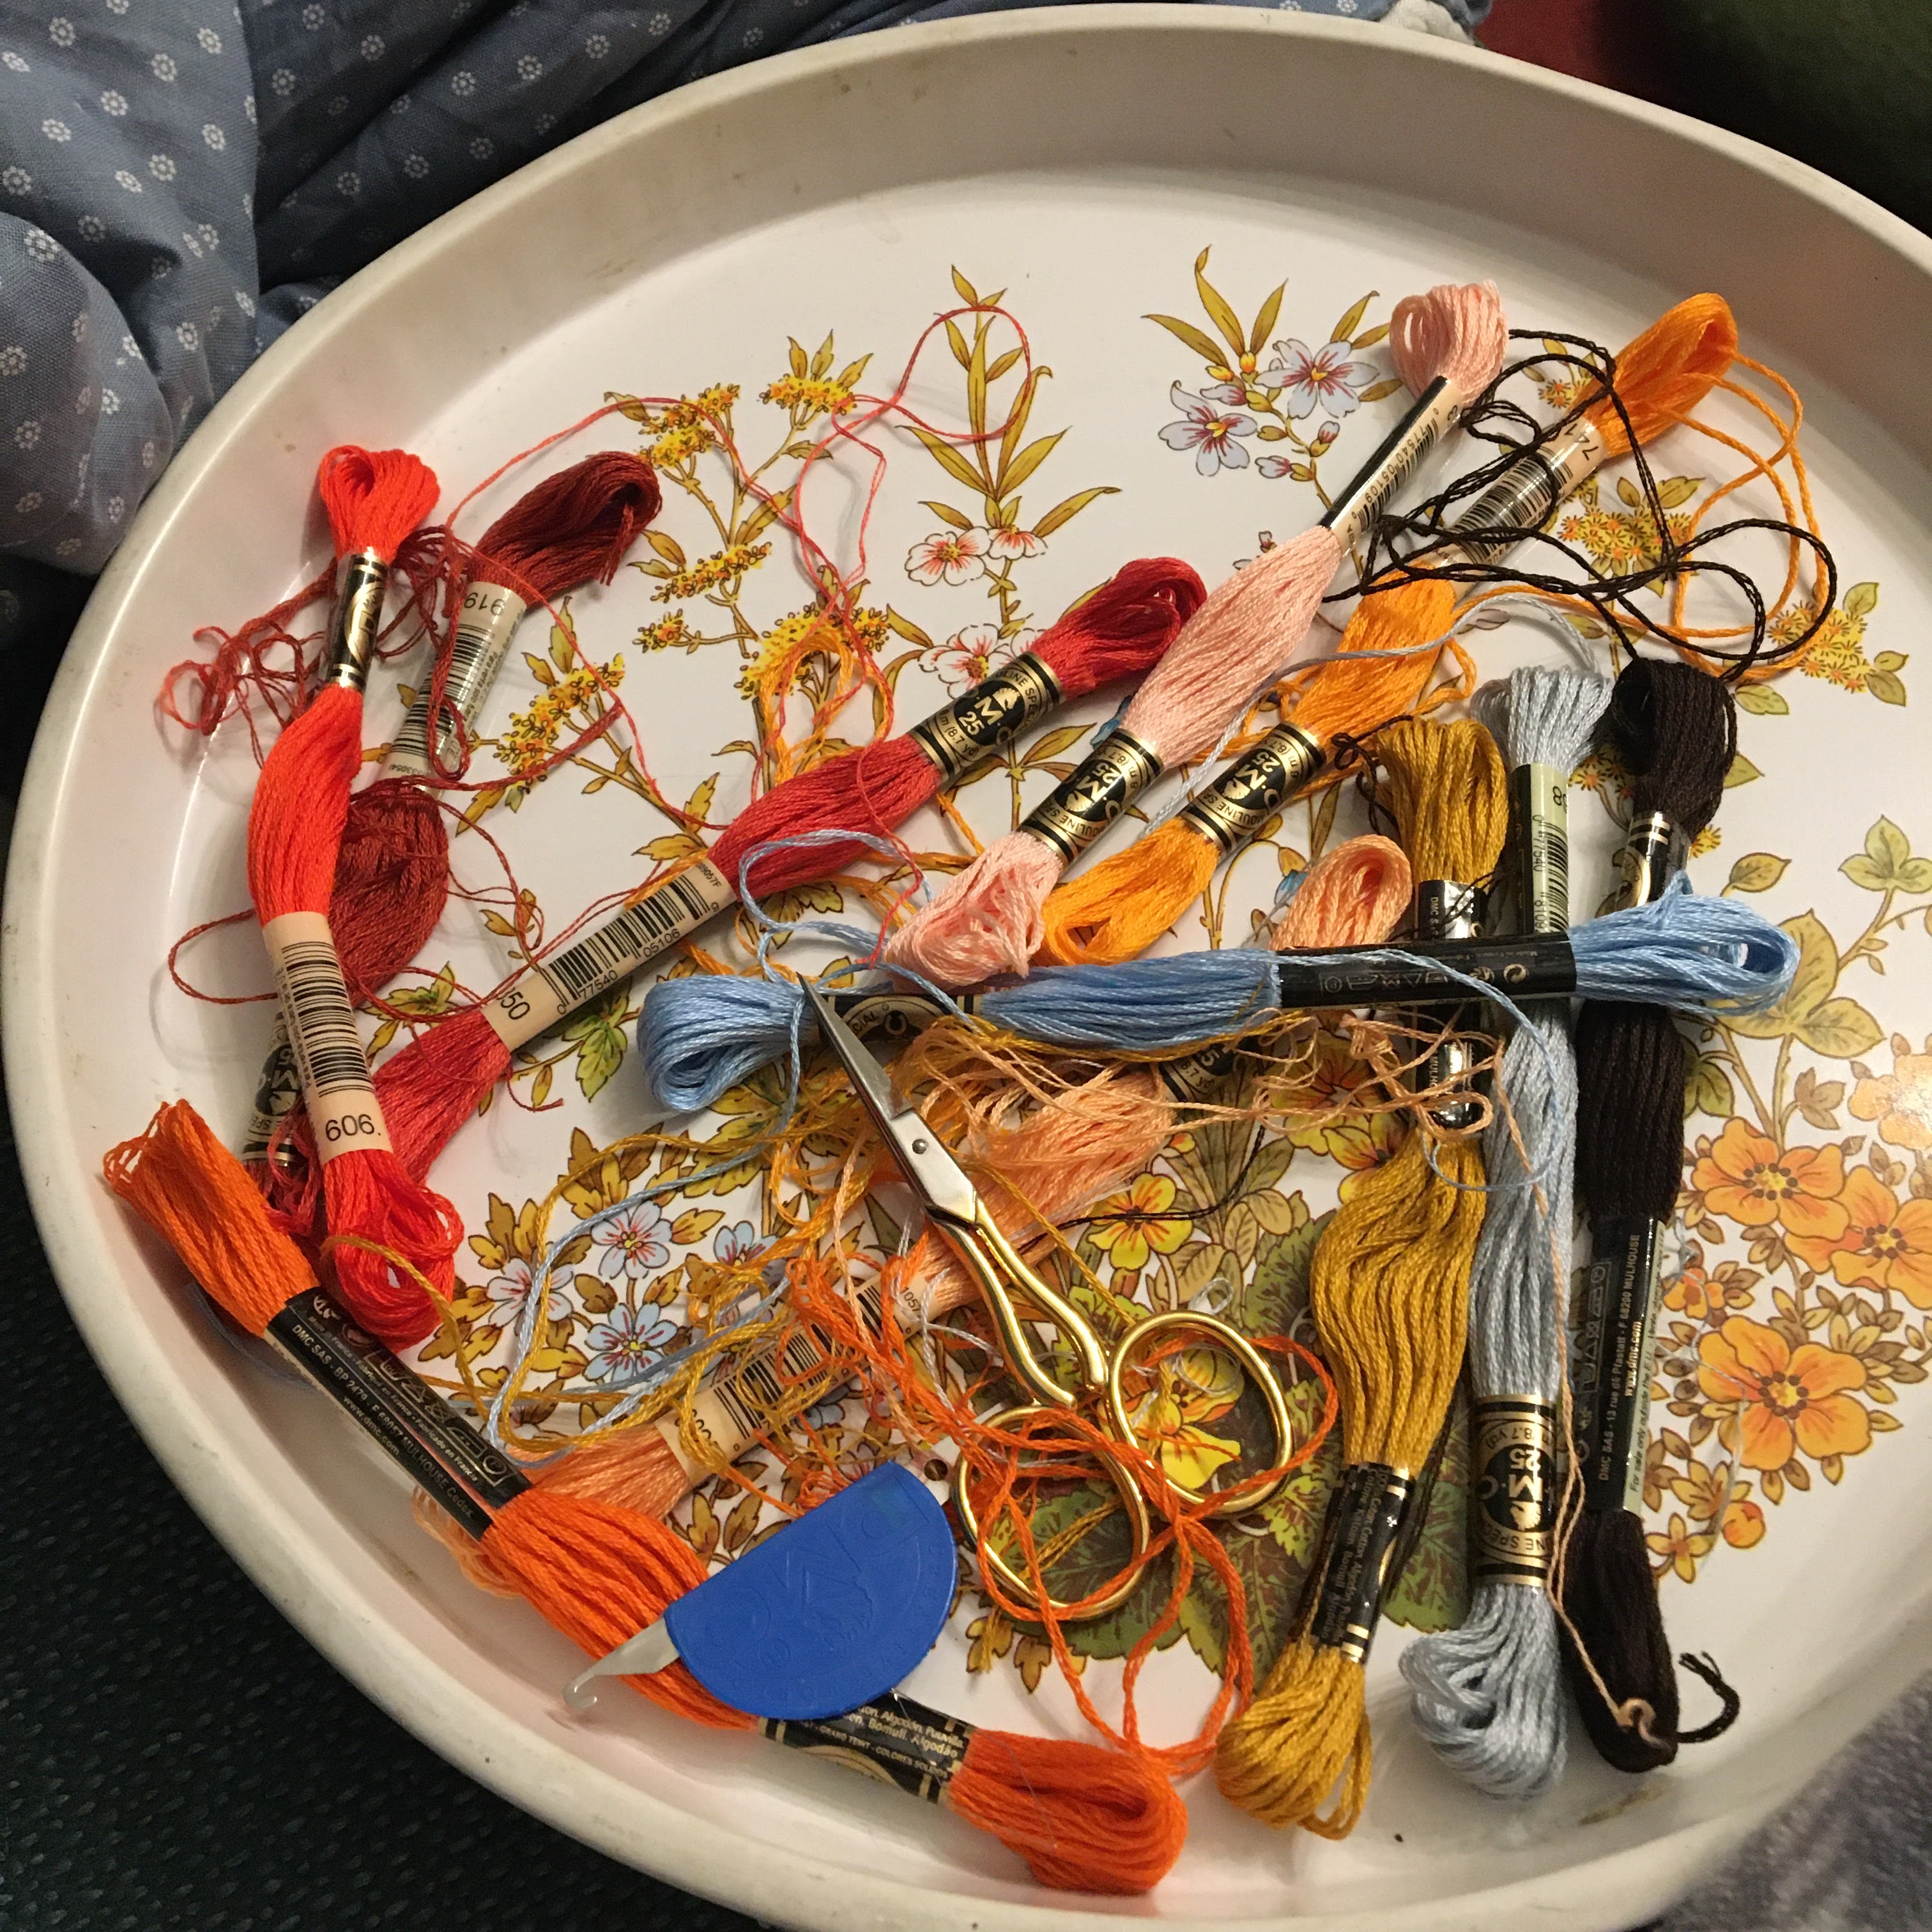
x,y
435,1084
373,500
1448,346
392,875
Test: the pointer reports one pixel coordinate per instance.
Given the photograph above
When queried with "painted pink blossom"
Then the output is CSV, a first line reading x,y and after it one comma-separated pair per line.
x,y
1311,378
971,655
1009,546
1209,429
946,556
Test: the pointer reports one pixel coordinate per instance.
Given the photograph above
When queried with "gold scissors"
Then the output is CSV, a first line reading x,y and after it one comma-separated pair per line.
x,y
1015,1296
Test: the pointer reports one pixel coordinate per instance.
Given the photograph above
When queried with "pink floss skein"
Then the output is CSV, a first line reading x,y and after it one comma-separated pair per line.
x,y
1448,346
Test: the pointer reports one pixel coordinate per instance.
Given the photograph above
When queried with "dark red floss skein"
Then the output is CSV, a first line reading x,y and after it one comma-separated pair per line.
x,y
436,1083
373,500
572,529
392,875
1674,728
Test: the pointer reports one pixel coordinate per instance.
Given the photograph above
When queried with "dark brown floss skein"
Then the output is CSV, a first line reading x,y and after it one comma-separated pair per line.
x,y
1674,729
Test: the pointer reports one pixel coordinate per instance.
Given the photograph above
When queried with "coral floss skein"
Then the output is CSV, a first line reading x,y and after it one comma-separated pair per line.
x,y
373,500
1448,346
1118,908
392,872
1389,1291
435,1084
1084,1818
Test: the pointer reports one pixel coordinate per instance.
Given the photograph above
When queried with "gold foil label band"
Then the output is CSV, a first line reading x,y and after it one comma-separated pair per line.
x,y
975,726
1235,808
1107,781
1653,851
1513,1457
361,580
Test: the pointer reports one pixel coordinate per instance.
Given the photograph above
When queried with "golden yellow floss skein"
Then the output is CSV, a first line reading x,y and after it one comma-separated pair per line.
x,y
1389,1290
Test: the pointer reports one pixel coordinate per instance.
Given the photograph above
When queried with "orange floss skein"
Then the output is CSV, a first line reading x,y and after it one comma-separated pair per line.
x,y
1118,909
1084,1818
373,500
1389,1290
1448,347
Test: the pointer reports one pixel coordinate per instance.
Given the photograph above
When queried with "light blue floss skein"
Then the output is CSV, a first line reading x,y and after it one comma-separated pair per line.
x,y
1489,1697
700,1036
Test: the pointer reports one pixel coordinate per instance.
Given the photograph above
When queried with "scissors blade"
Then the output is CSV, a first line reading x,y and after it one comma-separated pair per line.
x,y
937,1178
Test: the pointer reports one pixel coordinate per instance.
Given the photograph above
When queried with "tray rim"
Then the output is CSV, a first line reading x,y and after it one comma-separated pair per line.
x,y
567,1791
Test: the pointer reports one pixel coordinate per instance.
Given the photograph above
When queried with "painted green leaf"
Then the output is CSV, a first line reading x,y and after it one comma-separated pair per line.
x,y
1344,329
1887,686
1264,319
600,1052
1203,344
1755,872
1762,702
1222,316
1708,1090
1277,1294
1742,772
1376,391
1861,600
1840,1029
1886,864
1068,507
1814,983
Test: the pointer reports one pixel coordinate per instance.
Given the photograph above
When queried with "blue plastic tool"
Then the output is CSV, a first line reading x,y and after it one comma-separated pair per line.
x,y
830,1613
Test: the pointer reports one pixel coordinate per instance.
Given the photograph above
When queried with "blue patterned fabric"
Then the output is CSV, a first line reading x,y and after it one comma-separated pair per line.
x,y
179,179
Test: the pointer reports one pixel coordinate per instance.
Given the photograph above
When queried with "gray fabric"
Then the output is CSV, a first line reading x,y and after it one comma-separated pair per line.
x,y
140,139
1852,1852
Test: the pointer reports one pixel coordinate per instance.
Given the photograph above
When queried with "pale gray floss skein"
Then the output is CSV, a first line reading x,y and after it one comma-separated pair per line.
x,y
1489,1697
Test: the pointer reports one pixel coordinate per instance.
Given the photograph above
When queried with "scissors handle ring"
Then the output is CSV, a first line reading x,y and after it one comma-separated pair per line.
x,y
1228,1340
1011,1580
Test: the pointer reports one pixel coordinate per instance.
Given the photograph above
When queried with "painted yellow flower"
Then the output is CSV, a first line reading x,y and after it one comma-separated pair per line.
x,y
1743,1525
1129,1244
723,566
1681,1549
1180,1394
1621,542
1330,1125
1900,1101
1788,1399
1754,1181
1887,1243
818,394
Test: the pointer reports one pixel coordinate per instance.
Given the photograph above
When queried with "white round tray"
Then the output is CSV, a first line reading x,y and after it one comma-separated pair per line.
x,y
1080,160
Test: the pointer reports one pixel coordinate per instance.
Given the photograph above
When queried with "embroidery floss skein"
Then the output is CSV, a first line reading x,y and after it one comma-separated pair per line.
x,y
1488,1695
435,1084
1448,346
1675,728
1084,1818
373,500
1078,1146
1118,909
392,873
703,1034
1389,1291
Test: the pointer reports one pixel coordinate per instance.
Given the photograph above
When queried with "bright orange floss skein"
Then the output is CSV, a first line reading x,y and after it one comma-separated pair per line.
x,y
373,500
1083,1818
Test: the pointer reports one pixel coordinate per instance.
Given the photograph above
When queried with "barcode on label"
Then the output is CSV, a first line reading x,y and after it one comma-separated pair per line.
x,y
315,1002
678,906
751,1397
